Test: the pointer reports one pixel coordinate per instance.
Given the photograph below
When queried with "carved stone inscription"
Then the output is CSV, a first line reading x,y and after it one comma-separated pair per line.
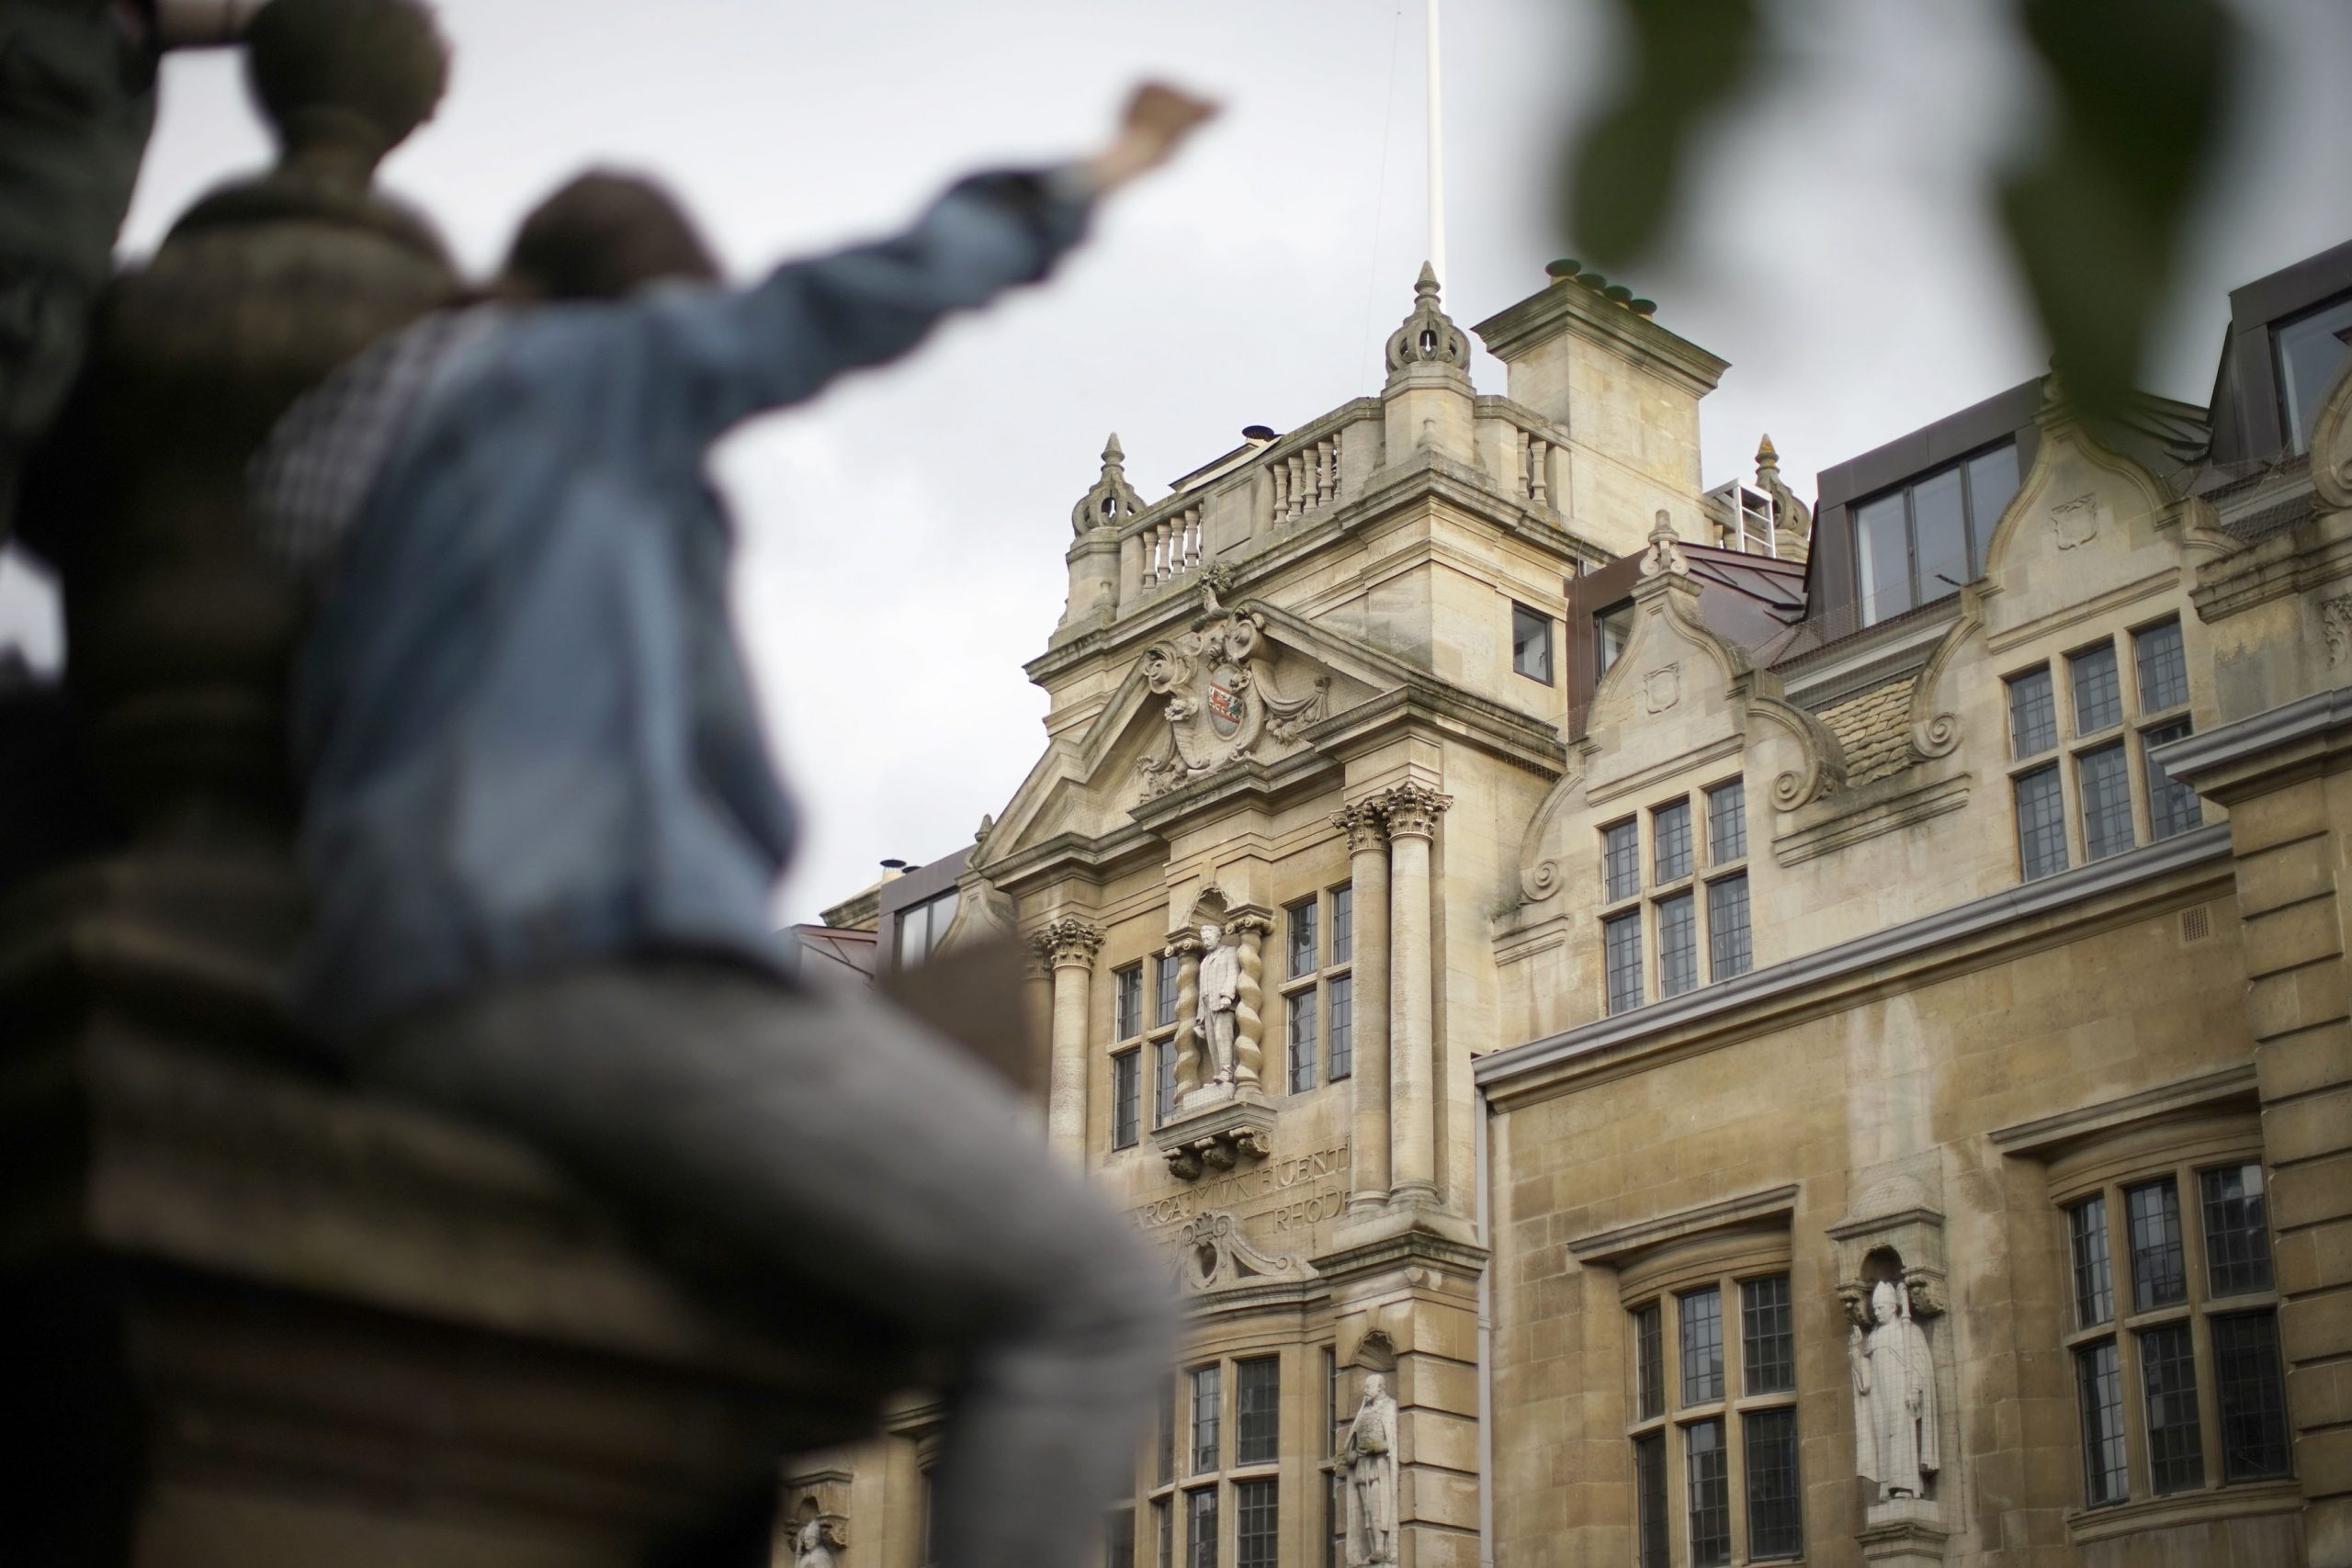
x,y
1298,1193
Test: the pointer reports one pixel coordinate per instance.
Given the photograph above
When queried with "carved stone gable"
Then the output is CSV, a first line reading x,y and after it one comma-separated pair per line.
x,y
1219,697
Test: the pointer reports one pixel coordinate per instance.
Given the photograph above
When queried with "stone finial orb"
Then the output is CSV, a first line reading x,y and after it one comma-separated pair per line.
x,y
344,82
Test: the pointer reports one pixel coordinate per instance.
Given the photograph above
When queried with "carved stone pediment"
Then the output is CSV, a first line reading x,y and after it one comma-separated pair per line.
x,y
1218,691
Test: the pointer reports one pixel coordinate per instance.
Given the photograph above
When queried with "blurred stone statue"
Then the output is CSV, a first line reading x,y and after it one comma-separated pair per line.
x,y
814,1543
1220,996
1365,1463
541,826
1894,1395
77,103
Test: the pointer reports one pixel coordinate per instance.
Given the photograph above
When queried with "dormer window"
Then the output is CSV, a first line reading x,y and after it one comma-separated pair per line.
x,y
1917,543
2311,351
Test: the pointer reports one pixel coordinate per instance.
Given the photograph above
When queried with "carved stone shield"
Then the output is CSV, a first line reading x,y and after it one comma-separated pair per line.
x,y
1226,702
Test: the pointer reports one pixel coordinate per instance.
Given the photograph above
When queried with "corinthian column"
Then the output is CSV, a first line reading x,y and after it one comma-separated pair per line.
x,y
1411,811
1069,945
1368,882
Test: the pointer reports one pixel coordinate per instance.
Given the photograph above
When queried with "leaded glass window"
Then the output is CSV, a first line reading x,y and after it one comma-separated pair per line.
x,y
1163,1087
1649,1492
2099,693
2253,1397
1126,1088
1649,1363
1677,945
2238,1232
1700,1315
2106,802
2172,805
1621,859
1163,1003
2034,714
1728,823
1710,1494
2159,1277
1775,1511
1208,1412
1300,1007
1767,1351
1343,924
1342,1047
1257,1424
2164,667
2042,823
2100,1383
1621,945
1729,949
2094,1281
1255,1531
2168,1377
1128,1013
1200,1527
1670,840
1299,919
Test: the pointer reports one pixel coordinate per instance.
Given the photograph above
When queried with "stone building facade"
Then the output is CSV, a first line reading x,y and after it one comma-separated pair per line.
x,y
1665,1029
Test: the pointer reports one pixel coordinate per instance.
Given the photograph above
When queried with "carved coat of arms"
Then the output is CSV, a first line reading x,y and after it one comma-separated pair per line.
x,y
1222,705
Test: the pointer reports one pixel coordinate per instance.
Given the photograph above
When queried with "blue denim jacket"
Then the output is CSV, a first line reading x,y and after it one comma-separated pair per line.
x,y
523,729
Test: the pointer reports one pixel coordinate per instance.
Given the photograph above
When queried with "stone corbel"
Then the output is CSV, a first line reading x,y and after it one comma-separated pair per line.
x,y
1218,1139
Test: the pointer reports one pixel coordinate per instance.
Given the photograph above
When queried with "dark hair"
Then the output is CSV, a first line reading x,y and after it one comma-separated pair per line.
x,y
603,235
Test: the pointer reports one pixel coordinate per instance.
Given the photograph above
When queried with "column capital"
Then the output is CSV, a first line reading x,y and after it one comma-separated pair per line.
x,y
1068,941
1362,824
1411,810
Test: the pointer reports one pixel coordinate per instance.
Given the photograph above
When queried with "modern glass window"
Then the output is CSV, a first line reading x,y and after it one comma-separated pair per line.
x,y
1208,1412
2034,714
1343,924
2253,1397
2094,1283
1670,841
1256,1531
2237,1231
1119,1539
2223,1292
2164,667
2168,1367
2159,1275
1200,1527
1339,997
1709,1480
1299,920
1621,859
1700,1315
1775,1513
1127,1013
1530,643
1612,629
2105,779
1728,823
1300,1007
1729,949
1768,1336
921,927
2100,1386
1649,1361
2098,691
1621,940
1677,945
1126,1098
1919,543
1649,1493
2172,805
1257,1423
2042,823
2311,351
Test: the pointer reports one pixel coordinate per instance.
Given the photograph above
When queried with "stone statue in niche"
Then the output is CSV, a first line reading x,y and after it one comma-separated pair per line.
x,y
814,1545
1894,1394
1365,1463
1220,996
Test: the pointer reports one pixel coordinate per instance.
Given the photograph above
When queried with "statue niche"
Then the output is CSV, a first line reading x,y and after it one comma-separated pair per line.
x,y
1896,1414
1365,1465
1221,703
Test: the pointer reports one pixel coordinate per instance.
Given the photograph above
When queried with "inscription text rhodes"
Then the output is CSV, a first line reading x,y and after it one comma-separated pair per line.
x,y
1248,1192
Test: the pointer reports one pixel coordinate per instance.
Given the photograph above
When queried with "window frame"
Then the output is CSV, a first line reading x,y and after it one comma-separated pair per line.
x,y
1167,1491
1649,901
1976,533
1326,966
1151,1042
1525,614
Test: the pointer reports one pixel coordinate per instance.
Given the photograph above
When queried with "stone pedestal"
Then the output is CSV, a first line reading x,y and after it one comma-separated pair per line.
x,y
1902,1532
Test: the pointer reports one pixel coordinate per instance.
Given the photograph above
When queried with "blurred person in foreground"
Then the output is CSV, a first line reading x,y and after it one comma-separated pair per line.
x,y
543,833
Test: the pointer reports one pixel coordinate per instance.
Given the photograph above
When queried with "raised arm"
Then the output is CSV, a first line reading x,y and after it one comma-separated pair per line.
x,y
726,354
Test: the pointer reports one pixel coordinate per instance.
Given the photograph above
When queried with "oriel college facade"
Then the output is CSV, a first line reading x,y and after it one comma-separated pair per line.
x,y
1663,1027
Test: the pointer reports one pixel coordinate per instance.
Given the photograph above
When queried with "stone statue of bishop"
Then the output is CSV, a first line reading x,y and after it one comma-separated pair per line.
x,y
1894,1396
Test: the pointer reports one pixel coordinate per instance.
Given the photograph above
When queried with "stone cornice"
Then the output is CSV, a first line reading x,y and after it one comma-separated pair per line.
x,y
1497,730
2048,1134
2242,758
1837,975
1619,1244
1091,859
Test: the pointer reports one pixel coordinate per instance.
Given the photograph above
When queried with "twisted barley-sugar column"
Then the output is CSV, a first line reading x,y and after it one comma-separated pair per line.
x,y
1368,883
1069,945
1187,1044
1248,1055
1411,811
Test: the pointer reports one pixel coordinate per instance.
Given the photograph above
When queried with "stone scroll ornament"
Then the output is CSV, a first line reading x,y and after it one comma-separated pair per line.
x,y
1895,1414
1365,1466
1221,706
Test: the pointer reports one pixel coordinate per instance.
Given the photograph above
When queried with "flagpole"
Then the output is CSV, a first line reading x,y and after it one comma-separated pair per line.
x,y
1437,156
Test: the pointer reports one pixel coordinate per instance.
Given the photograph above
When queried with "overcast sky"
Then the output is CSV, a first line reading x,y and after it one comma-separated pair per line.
x,y
903,537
